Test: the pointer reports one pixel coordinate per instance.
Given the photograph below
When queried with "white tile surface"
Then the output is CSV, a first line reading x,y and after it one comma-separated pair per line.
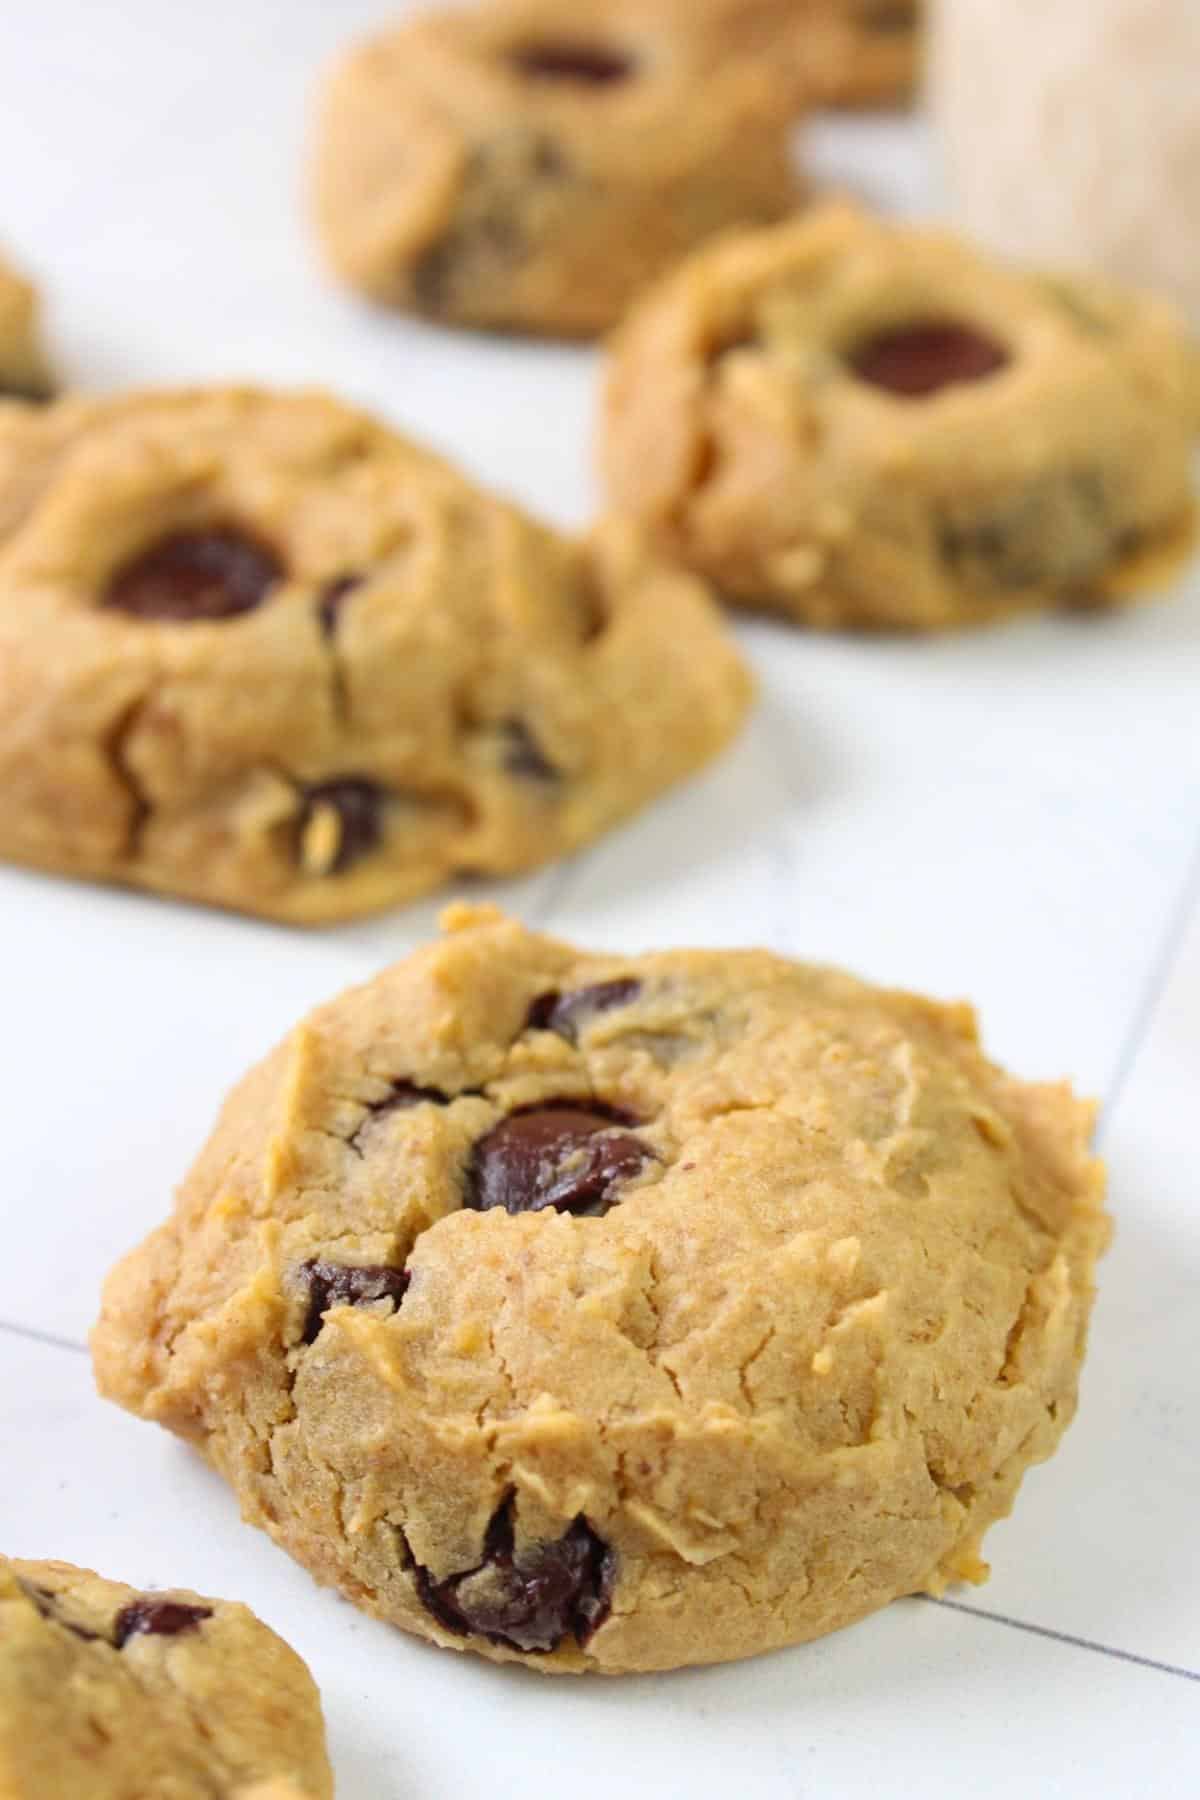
x,y
1013,816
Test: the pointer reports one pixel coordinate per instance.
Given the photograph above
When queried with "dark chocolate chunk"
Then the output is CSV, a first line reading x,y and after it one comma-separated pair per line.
x,y
589,65
157,1618
358,804
531,1599
562,1155
565,1013
333,597
523,755
195,576
916,360
341,1284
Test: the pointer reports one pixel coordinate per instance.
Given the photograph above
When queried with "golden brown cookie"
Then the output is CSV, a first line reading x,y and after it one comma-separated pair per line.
x,y
24,372
257,649
834,52
521,167
861,424
111,1694
618,1312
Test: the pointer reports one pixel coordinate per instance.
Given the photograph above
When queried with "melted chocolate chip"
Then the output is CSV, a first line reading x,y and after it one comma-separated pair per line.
x,y
157,1618
590,65
358,806
340,1284
523,755
565,1013
47,1604
530,1599
195,576
917,360
563,1155
332,598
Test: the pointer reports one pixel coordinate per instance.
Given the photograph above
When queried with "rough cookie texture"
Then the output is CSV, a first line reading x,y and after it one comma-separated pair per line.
x,y
258,650
615,1313
861,424
24,373
523,167
834,52
112,1694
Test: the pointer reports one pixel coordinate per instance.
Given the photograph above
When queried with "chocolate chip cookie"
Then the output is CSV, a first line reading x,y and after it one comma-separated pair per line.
x,y
620,1312
24,372
522,167
258,650
113,1694
860,424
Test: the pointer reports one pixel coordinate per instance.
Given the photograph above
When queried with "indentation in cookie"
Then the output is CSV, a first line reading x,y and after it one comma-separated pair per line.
x,y
340,822
339,1284
564,1155
530,1599
523,755
196,576
48,1606
150,1617
566,1013
584,65
332,598
917,360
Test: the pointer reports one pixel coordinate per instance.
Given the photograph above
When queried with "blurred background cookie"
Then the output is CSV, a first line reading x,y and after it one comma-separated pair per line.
x,y
861,424
528,166
24,370
259,650
835,52
107,1693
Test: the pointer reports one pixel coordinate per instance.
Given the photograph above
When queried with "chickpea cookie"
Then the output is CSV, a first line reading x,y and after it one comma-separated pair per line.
x,y
516,166
861,424
258,650
24,372
616,1313
111,1694
836,52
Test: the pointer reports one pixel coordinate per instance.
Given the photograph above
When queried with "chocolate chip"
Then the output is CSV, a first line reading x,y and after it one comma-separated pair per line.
x,y
47,1604
565,1013
917,360
332,598
591,65
340,822
157,1618
530,1599
561,1155
341,1284
195,575
523,755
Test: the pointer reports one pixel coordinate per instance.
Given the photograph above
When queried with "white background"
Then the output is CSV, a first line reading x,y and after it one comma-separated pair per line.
x,y
1012,816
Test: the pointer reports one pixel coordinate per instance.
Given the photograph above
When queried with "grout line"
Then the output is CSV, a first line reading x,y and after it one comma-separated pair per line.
x,y
44,1337
1161,971
1065,1637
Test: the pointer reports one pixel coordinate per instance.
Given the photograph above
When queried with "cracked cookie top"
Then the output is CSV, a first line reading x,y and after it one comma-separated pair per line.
x,y
620,1312
24,373
260,650
858,423
530,166
117,1694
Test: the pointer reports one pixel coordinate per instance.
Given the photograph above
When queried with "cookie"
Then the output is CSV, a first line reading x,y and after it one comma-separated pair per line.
x,y
24,372
860,424
834,52
619,1312
515,167
113,1694
258,650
